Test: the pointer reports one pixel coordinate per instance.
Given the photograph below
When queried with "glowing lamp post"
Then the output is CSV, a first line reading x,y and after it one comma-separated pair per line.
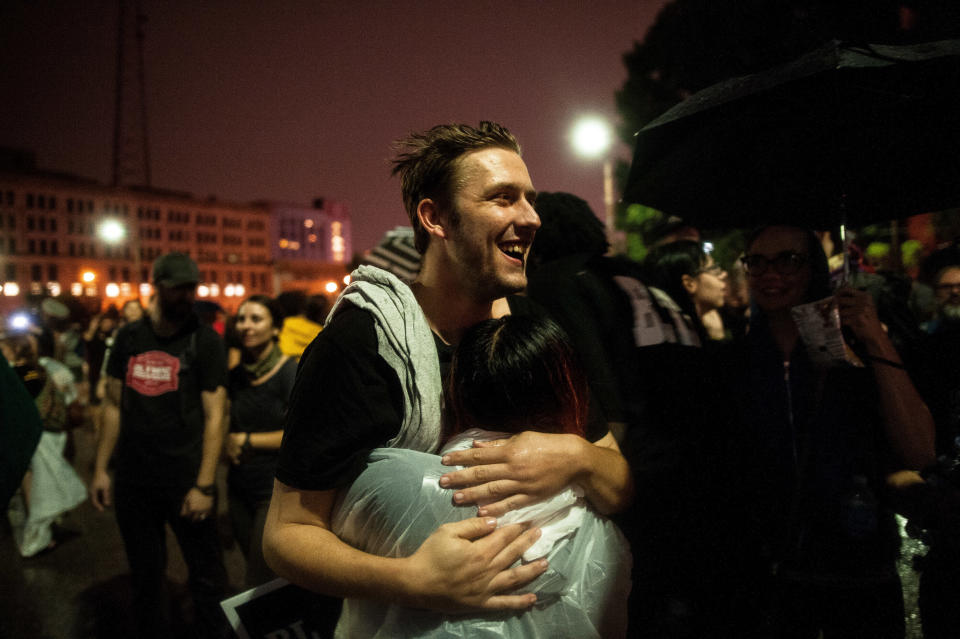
x,y
592,138
114,232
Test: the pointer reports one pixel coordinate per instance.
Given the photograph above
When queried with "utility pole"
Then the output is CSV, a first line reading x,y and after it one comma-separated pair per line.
x,y
131,150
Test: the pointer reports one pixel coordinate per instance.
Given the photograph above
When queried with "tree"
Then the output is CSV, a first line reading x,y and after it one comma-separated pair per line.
x,y
696,43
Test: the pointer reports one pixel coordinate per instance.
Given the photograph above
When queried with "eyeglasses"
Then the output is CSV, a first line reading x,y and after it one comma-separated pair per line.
x,y
714,269
943,288
785,263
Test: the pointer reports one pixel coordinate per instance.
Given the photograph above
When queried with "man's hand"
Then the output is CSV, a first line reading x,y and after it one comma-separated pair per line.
x,y
507,474
196,505
464,566
100,495
233,446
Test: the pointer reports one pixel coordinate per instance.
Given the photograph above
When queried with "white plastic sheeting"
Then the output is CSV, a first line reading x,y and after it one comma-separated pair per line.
x,y
396,503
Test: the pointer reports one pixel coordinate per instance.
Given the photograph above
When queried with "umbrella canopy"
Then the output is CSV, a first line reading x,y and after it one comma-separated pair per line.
x,y
854,133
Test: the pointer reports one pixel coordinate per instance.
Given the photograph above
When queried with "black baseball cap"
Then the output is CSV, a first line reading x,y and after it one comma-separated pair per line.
x,y
175,269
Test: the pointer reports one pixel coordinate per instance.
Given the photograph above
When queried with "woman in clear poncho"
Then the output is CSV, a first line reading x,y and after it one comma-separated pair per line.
x,y
509,374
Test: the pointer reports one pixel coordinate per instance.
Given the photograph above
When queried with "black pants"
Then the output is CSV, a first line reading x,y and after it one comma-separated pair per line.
x,y
248,515
142,512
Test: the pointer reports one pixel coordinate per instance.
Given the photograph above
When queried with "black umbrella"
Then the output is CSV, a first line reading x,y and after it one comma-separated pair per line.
x,y
861,132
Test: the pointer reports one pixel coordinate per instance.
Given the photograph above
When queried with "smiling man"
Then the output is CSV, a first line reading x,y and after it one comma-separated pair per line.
x,y
470,201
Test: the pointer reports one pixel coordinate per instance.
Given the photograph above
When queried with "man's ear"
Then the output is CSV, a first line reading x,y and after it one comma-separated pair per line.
x,y
431,218
689,283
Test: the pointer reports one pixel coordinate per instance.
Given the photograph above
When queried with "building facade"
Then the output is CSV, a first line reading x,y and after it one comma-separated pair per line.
x,y
60,234
311,245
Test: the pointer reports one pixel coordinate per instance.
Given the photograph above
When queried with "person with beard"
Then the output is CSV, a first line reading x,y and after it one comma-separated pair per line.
x,y
937,363
372,378
947,294
163,411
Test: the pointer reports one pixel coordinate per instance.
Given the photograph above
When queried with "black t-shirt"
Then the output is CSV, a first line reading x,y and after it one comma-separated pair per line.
x,y
162,419
347,401
258,409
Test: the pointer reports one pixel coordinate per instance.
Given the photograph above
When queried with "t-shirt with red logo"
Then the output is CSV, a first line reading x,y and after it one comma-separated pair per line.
x,y
162,420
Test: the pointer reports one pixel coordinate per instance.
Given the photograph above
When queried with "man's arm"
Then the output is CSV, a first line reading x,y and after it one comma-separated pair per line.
x,y
531,466
100,488
197,505
461,566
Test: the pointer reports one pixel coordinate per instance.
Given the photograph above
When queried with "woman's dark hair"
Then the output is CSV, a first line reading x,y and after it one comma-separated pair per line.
x,y
819,267
665,267
276,315
517,373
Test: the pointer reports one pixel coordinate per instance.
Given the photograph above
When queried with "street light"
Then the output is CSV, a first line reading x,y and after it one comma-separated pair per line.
x,y
592,138
114,232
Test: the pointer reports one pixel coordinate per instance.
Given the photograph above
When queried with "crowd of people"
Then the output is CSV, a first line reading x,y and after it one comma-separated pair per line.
x,y
530,439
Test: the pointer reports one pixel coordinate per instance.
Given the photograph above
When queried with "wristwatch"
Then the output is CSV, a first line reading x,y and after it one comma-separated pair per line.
x,y
209,491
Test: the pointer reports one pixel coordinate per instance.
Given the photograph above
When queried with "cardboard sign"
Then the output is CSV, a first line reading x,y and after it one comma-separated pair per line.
x,y
280,610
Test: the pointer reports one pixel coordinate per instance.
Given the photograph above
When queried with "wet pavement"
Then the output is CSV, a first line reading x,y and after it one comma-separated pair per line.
x,y
81,588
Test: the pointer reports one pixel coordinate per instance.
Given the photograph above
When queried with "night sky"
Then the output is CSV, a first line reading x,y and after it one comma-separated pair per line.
x,y
294,100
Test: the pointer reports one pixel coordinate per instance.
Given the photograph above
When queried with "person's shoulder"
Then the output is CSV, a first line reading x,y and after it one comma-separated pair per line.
x,y
287,373
133,328
207,332
350,327
237,378
209,341
350,336
129,334
289,365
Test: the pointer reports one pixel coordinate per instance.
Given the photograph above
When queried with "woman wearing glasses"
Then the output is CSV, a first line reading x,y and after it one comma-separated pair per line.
x,y
813,446
693,280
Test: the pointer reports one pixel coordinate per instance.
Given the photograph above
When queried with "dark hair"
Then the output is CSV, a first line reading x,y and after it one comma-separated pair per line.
x,y
291,303
276,315
517,373
426,163
568,226
665,267
819,267
317,308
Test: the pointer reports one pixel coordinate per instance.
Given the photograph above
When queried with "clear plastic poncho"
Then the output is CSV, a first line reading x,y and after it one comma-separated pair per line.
x,y
397,502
